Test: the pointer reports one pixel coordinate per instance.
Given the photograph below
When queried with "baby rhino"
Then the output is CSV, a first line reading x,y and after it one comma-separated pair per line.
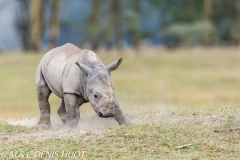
x,y
76,76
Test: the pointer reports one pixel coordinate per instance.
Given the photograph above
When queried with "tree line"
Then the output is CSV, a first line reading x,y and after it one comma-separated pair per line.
x,y
32,21
113,22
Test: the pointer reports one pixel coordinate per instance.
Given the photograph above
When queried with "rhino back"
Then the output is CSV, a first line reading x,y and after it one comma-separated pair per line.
x,y
61,73
53,65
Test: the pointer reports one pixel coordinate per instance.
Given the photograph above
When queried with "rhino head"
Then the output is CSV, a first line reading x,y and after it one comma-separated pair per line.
x,y
100,91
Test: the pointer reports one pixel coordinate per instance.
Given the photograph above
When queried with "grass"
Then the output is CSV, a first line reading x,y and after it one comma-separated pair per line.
x,y
178,97
184,78
206,131
6,129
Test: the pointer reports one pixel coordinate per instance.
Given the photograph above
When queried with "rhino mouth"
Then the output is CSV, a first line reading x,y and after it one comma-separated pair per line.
x,y
100,114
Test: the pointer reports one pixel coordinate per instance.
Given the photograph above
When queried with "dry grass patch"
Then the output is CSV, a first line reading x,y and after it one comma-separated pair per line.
x,y
157,135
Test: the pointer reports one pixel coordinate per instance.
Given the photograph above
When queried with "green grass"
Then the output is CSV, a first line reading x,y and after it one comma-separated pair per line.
x,y
6,129
206,131
177,97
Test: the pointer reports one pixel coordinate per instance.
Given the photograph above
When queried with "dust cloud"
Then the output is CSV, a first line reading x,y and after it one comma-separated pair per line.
x,y
86,123
135,114
89,122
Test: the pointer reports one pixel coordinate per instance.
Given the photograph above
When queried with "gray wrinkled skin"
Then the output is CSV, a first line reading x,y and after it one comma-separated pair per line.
x,y
76,76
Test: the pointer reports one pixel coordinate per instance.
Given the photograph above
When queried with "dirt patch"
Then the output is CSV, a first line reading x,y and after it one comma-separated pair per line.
x,y
86,124
161,115
40,135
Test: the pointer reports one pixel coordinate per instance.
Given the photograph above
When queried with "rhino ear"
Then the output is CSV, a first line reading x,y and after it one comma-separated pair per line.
x,y
85,68
113,66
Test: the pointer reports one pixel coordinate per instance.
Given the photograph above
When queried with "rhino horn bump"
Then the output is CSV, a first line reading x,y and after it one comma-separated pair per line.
x,y
85,68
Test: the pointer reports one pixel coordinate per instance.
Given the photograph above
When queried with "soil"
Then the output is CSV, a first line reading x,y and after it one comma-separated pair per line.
x,y
93,123
98,125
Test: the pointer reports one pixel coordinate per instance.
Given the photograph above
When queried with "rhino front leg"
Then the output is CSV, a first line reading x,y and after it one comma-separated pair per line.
x,y
62,112
43,93
72,104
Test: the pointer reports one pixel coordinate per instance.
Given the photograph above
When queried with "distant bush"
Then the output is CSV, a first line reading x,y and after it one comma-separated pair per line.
x,y
188,34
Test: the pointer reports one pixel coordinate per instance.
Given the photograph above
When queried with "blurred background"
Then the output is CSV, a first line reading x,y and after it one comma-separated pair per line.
x,y
177,53
44,24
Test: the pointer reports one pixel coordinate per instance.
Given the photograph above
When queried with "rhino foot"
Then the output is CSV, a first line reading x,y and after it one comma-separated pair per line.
x,y
44,125
72,124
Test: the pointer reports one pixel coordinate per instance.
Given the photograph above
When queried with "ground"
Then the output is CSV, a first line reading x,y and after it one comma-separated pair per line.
x,y
184,103
164,133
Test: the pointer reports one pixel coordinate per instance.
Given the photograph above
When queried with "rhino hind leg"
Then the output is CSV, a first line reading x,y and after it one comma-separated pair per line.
x,y
43,93
62,112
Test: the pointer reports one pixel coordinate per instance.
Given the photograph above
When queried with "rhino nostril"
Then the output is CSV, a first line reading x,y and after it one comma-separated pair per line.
x,y
99,114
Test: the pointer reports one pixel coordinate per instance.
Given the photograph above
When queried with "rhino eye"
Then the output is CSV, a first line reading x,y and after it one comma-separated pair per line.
x,y
95,96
